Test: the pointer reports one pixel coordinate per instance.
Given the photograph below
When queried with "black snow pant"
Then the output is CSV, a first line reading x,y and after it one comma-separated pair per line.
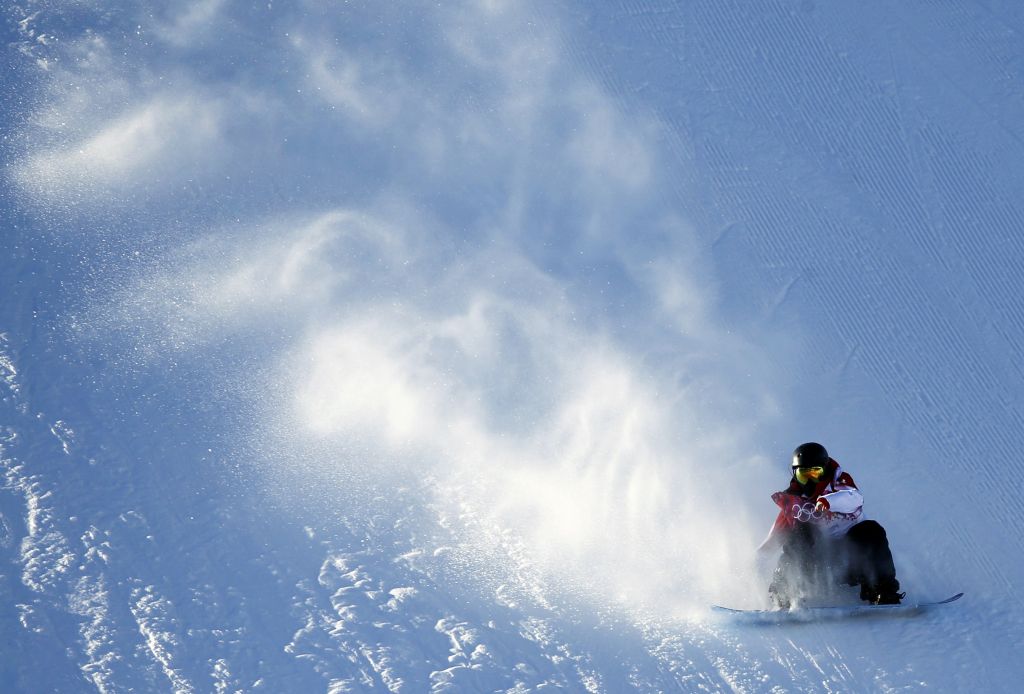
x,y
811,560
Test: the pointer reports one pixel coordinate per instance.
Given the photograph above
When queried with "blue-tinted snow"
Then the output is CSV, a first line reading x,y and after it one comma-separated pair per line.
x,y
404,347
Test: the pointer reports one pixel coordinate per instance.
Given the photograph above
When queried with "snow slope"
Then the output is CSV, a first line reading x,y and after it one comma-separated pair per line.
x,y
458,348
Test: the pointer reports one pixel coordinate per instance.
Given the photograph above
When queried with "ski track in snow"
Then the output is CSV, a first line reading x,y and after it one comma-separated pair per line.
x,y
359,628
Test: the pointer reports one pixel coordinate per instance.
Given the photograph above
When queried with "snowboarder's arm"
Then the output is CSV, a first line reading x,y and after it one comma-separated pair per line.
x,y
782,522
848,500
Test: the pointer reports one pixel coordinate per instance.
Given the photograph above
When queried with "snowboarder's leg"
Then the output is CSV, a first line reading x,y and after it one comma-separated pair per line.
x,y
870,564
796,566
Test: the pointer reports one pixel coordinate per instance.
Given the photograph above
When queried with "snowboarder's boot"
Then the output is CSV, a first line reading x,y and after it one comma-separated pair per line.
x,y
885,593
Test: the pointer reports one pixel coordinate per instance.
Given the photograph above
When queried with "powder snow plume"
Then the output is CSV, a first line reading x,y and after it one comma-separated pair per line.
x,y
460,312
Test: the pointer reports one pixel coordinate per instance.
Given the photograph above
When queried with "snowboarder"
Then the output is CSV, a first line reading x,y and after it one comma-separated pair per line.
x,y
823,536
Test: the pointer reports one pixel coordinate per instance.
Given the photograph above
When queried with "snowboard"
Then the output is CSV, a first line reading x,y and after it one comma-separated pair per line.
x,y
814,614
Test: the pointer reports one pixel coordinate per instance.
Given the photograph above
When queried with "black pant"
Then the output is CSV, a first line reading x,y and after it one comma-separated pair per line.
x,y
811,559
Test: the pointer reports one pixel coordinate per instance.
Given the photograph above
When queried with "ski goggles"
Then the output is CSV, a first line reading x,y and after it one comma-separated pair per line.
x,y
806,474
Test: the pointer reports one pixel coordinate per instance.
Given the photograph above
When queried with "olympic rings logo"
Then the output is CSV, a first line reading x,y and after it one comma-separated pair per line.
x,y
805,513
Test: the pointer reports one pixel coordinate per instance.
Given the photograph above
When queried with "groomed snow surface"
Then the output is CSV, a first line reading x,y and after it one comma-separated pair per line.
x,y
458,347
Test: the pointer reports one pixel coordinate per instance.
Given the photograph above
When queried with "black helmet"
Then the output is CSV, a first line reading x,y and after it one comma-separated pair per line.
x,y
810,455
